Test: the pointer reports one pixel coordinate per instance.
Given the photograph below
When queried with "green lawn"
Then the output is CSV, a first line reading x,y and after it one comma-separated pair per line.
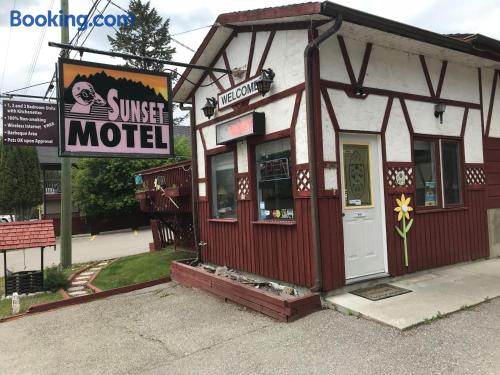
x,y
26,302
138,268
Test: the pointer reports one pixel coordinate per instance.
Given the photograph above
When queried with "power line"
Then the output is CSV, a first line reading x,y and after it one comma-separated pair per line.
x,y
36,53
27,87
7,51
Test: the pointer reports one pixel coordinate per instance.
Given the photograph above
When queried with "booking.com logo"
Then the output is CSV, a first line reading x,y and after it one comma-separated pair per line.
x,y
64,20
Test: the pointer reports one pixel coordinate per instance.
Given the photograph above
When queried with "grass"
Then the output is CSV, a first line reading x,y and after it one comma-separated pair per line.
x,y
27,302
138,268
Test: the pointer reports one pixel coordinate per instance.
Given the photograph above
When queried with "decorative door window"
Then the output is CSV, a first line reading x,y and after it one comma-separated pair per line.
x,y
274,180
357,175
223,186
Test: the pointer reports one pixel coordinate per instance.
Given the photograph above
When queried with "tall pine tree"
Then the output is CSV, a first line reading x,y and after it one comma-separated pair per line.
x,y
149,36
20,181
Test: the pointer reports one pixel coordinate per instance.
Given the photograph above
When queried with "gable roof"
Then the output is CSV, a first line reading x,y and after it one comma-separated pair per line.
x,y
27,234
225,24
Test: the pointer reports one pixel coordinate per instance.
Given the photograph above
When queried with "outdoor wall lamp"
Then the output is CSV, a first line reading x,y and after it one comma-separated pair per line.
x,y
265,81
209,108
439,109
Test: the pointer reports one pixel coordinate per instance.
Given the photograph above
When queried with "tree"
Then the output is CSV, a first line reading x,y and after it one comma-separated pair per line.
x,y
105,187
149,36
20,181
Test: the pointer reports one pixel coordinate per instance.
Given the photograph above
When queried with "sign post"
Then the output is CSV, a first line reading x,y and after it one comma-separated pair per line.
x,y
66,211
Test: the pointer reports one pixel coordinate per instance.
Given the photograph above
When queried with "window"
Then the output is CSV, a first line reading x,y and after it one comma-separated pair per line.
x,y
223,186
451,173
425,173
274,181
434,158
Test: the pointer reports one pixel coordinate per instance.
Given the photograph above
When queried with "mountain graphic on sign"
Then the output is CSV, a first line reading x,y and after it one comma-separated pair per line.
x,y
127,88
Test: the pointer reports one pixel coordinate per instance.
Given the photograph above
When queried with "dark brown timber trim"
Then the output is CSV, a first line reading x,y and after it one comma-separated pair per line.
x,y
492,101
347,60
441,78
266,51
427,75
364,64
228,67
250,55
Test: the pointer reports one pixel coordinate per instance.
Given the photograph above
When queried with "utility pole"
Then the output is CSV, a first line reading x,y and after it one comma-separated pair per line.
x,y
66,211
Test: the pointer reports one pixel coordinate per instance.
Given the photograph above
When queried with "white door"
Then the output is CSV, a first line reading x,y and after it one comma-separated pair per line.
x,y
363,207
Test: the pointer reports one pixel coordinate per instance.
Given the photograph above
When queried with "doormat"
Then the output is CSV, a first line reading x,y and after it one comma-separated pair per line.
x,y
381,291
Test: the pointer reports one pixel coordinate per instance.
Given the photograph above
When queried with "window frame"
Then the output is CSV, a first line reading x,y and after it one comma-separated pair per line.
x,y
252,145
208,163
438,149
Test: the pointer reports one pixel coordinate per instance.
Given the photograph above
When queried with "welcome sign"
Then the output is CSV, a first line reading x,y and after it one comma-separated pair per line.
x,y
114,111
244,90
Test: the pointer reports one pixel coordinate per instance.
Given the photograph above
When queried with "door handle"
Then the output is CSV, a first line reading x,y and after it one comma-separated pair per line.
x,y
343,214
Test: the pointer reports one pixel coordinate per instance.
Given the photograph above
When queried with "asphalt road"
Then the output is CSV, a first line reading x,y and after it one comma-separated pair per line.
x,y
85,248
170,329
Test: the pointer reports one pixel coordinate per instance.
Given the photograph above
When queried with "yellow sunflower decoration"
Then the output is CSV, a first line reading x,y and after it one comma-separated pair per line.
x,y
403,209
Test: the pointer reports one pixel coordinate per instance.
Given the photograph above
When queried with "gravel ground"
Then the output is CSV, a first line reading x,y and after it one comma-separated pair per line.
x,y
170,329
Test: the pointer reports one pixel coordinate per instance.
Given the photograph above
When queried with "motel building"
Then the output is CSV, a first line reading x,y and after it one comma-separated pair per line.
x,y
329,117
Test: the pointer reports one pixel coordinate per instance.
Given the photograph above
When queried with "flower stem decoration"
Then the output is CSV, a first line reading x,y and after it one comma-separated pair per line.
x,y
403,209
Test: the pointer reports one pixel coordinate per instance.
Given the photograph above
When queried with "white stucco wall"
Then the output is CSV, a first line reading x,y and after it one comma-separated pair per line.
x,y
301,148
331,62
201,155
424,121
329,144
395,70
461,83
495,115
278,114
260,43
242,156
486,85
237,51
397,135
331,179
473,140
201,96
358,114
202,189
209,135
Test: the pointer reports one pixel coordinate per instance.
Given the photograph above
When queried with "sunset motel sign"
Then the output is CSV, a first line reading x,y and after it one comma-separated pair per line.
x,y
111,111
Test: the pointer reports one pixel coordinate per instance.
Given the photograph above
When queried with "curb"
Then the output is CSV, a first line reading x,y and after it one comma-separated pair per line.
x,y
95,296
35,309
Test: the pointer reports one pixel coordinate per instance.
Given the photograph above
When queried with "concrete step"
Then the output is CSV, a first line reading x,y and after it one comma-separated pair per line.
x,y
78,293
102,264
82,278
78,283
95,269
86,273
76,288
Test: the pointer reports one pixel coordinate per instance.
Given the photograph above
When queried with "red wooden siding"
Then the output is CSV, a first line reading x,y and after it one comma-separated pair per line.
x,y
492,160
275,250
440,237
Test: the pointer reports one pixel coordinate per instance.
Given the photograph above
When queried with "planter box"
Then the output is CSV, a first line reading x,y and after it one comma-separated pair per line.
x,y
283,308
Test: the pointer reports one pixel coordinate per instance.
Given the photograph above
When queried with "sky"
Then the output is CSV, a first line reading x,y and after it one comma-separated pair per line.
x,y
18,44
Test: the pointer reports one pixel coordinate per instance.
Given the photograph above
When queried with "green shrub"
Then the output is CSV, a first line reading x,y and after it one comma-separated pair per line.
x,y
55,279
